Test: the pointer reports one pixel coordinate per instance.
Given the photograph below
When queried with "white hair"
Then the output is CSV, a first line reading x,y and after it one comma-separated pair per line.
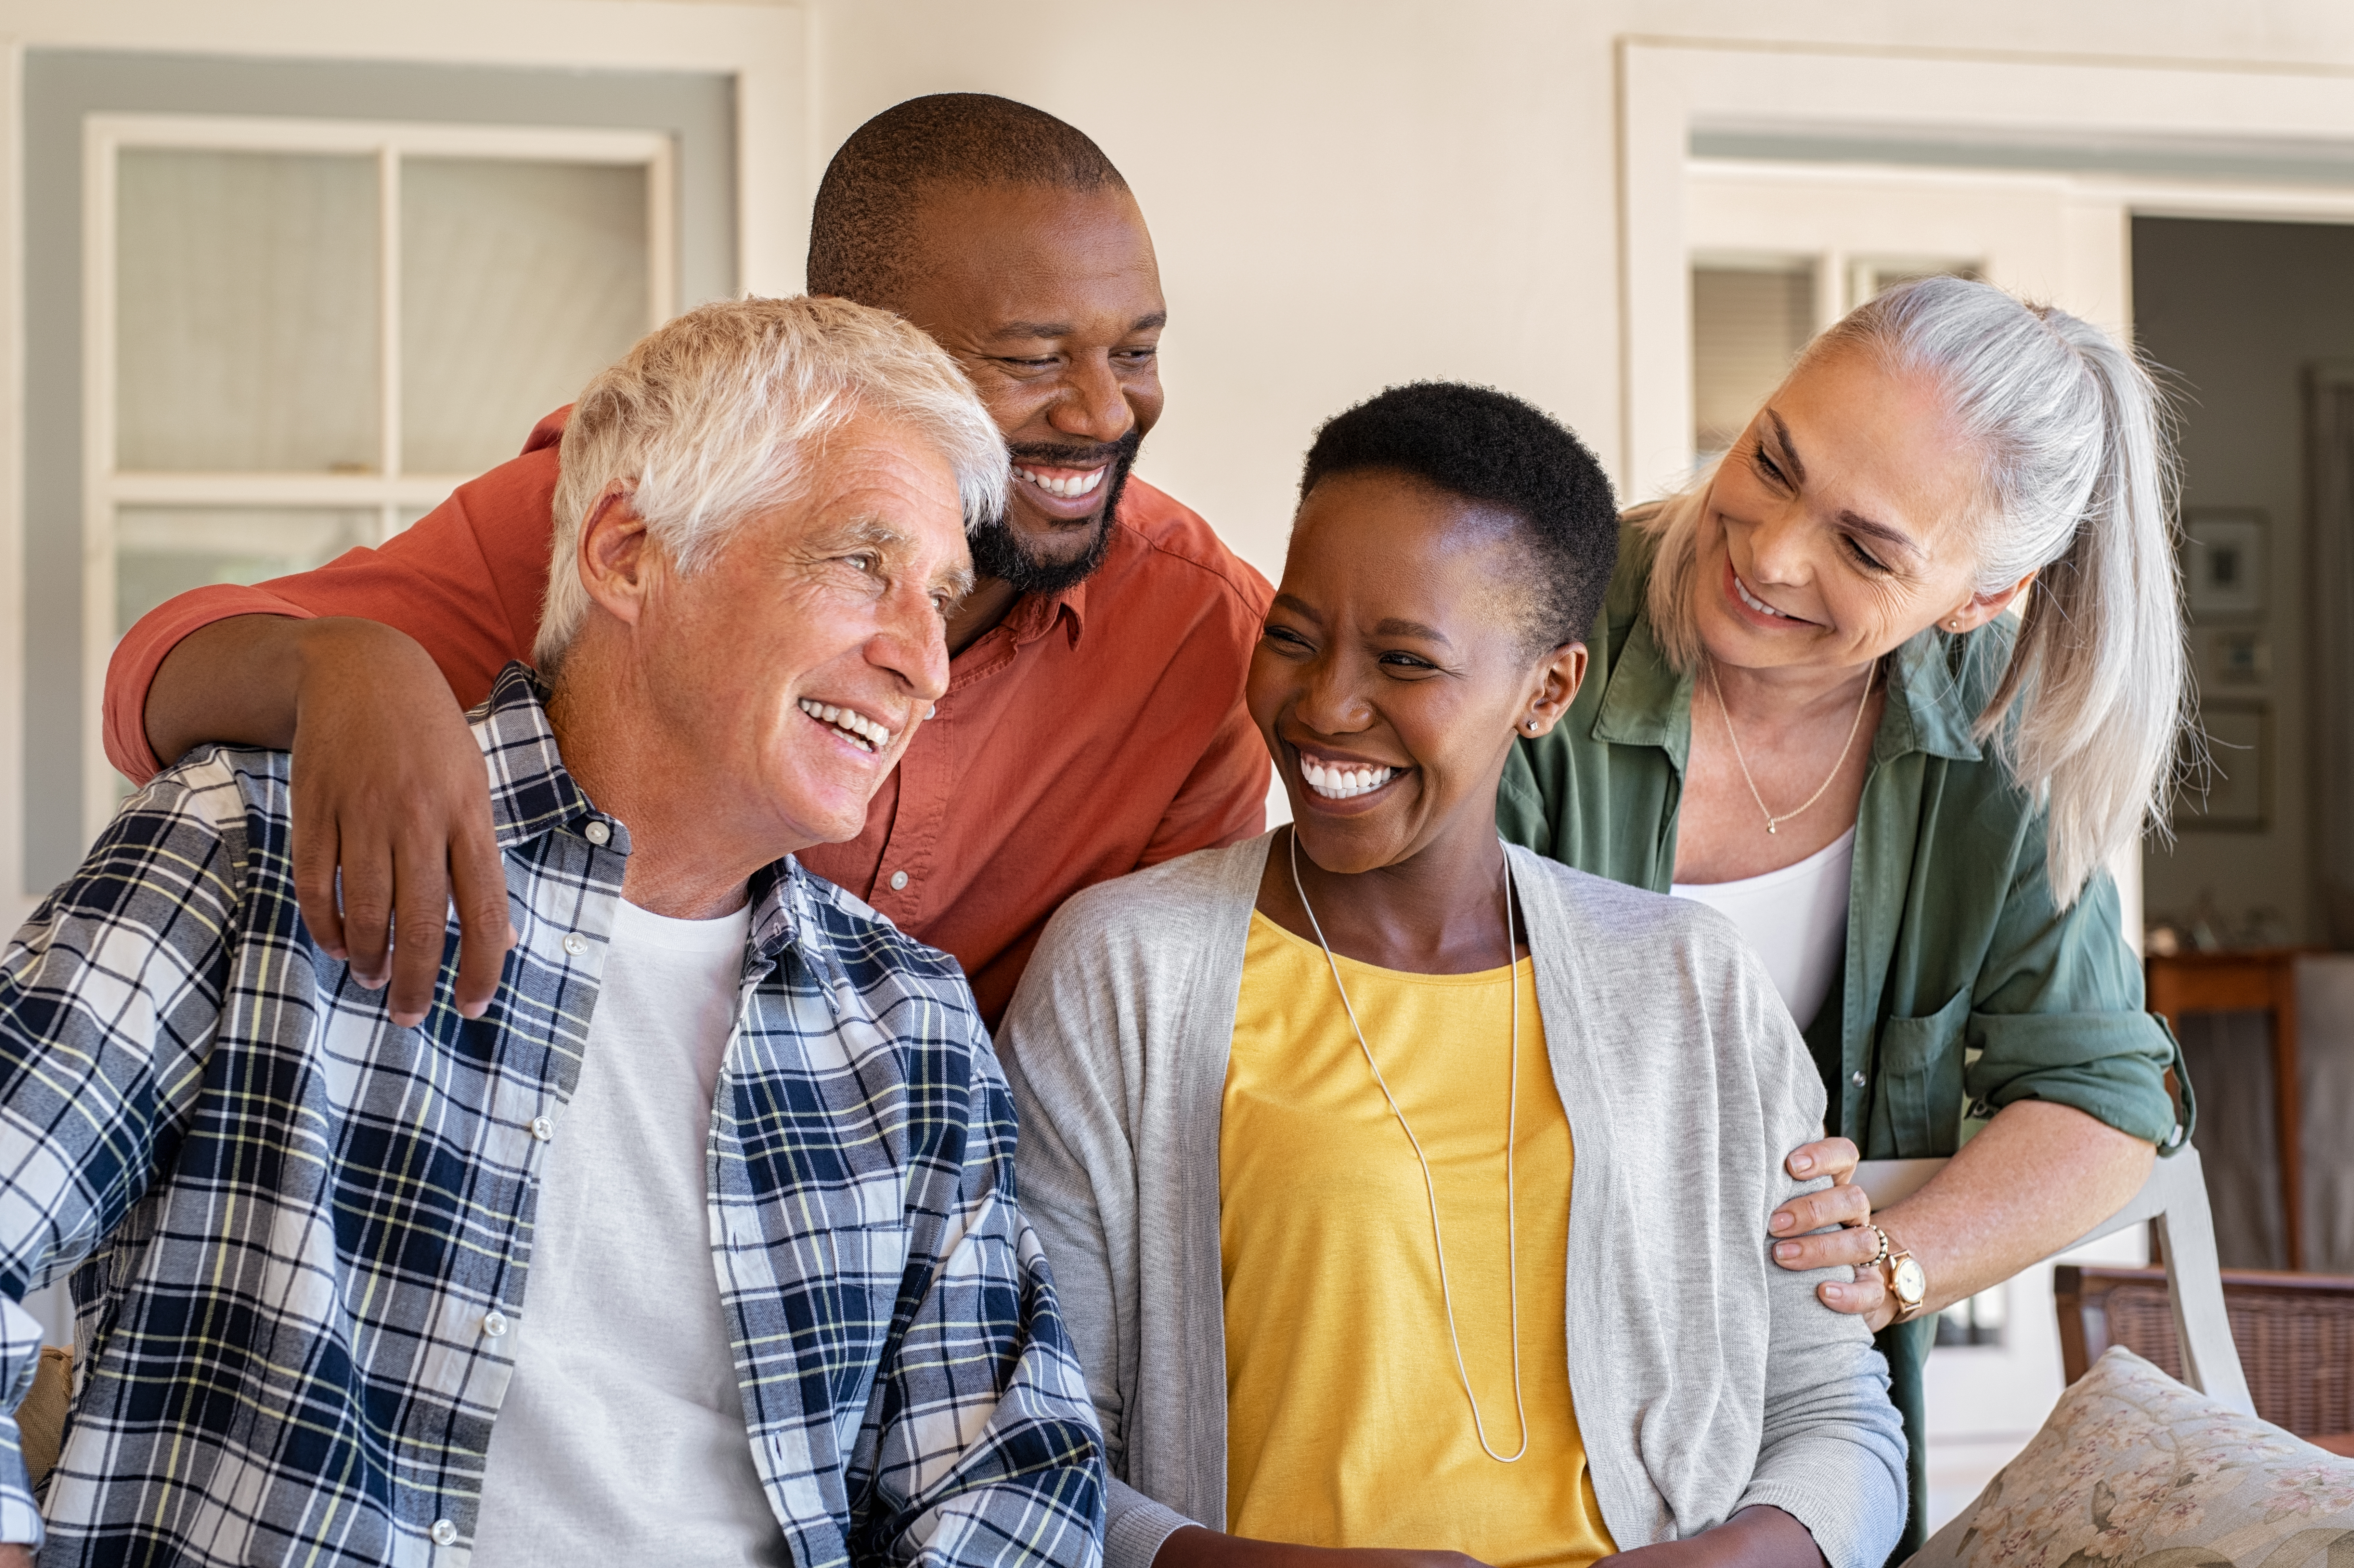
x,y
723,412
2076,484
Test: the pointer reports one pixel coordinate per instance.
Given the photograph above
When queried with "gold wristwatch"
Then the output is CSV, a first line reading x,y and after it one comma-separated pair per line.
x,y
1907,1282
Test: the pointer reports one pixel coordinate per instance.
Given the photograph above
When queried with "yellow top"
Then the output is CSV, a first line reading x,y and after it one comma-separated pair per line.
x,y
1346,1423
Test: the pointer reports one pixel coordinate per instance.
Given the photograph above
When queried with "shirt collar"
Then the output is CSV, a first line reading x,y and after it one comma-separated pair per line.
x,y
532,794
1649,703
1033,615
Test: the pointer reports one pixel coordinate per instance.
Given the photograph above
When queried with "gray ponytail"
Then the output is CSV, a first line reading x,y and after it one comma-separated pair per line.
x,y
2078,480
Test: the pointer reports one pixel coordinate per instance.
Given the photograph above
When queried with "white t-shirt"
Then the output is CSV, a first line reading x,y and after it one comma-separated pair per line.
x,y
621,1438
1795,919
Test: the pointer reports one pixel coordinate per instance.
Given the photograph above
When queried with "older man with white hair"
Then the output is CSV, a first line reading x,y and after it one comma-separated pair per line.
x,y
701,1245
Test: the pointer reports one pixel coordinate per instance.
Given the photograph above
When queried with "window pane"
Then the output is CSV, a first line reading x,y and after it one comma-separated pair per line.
x,y
519,281
247,324
1748,325
161,551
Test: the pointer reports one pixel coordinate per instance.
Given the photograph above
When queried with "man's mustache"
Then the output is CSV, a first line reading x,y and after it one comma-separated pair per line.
x,y
1095,454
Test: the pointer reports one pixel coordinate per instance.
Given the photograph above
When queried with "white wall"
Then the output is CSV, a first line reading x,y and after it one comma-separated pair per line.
x,y
1348,193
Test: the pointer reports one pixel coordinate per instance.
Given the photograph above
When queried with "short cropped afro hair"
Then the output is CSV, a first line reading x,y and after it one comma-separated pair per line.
x,y
866,203
1492,448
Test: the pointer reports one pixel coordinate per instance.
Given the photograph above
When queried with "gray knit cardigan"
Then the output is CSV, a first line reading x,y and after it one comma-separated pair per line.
x,y
1705,1378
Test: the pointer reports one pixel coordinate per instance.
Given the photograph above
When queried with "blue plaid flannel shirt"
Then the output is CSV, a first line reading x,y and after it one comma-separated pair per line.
x,y
289,1217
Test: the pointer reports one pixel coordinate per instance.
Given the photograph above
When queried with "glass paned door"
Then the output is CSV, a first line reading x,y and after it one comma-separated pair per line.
x,y
301,335
519,280
247,290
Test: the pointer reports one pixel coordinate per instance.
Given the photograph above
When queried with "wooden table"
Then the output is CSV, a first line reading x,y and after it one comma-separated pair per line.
x,y
2252,979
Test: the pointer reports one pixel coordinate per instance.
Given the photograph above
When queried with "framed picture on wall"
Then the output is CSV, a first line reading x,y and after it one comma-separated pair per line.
x,y
2233,793
2223,564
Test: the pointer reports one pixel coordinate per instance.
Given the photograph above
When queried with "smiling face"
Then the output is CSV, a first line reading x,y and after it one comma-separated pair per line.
x,y
778,683
1395,671
1838,526
1050,299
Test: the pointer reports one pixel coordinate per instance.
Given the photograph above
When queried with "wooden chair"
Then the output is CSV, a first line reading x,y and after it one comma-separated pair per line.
x,y
2173,1203
2295,1333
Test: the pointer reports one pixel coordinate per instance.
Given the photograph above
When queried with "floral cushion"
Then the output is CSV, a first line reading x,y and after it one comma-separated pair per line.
x,y
2135,1470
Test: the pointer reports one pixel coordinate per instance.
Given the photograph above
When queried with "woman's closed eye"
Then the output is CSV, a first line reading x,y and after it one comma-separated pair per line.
x,y
1398,663
1864,557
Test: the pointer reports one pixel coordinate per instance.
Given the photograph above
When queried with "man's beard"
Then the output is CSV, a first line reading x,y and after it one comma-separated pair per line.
x,y
999,552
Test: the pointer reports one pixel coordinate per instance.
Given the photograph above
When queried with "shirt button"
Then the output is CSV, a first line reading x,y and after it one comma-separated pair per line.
x,y
597,832
494,1324
574,943
1857,1078
444,1532
898,879
542,1129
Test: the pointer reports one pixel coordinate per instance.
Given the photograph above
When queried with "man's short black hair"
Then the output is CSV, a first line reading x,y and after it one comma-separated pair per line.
x,y
1490,448
866,203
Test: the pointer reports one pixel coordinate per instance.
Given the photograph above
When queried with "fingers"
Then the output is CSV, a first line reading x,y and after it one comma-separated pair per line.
x,y
478,876
367,885
1832,1157
317,848
1864,1297
1855,1247
421,887
1842,1205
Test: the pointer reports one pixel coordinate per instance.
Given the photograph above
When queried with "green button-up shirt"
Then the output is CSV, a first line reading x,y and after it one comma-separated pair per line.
x,y
1966,986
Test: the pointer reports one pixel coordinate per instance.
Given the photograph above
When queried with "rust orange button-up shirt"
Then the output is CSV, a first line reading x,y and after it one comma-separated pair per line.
x,y
1087,735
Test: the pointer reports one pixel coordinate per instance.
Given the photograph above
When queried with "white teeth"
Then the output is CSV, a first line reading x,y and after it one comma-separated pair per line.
x,y
1068,488
1754,602
1341,783
863,732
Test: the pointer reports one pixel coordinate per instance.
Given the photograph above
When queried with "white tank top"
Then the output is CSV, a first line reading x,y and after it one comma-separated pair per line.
x,y
1795,919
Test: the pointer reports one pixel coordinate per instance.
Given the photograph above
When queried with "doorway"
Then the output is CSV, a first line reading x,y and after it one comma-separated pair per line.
x,y
2254,324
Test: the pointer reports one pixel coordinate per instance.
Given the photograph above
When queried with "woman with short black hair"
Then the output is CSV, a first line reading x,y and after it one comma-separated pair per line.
x,y
1344,1143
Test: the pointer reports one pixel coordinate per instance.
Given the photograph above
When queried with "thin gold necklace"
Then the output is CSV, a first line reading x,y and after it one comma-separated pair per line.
x,y
1772,822
1511,1122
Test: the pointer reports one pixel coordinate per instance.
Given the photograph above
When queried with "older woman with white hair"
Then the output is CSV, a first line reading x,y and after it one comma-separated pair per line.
x,y
1811,708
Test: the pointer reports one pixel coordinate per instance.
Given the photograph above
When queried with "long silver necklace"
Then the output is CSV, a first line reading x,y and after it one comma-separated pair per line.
x,y
1772,822
1429,1185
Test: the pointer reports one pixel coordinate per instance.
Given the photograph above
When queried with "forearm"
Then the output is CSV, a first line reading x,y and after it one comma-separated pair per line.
x,y
2034,1179
240,681
1194,1547
1753,1538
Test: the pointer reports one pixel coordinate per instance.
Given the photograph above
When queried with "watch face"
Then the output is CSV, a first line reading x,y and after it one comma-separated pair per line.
x,y
1910,1282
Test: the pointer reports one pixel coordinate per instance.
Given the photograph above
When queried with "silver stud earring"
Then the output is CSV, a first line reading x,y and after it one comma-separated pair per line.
x,y
1532,726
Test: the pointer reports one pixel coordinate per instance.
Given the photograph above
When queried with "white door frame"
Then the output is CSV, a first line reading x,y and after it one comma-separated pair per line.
x,y
763,48
1670,88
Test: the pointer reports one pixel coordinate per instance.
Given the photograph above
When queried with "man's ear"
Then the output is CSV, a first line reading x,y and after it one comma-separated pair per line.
x,y
1984,607
1558,679
616,554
